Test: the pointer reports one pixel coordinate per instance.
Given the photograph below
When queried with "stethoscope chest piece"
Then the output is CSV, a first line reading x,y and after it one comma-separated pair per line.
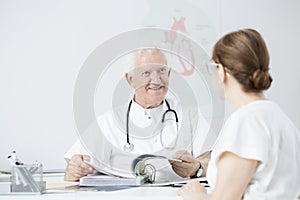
x,y
128,147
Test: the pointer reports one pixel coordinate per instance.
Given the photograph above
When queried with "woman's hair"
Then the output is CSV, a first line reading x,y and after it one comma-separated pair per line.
x,y
245,54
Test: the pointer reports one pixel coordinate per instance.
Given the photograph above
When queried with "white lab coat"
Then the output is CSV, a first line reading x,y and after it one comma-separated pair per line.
x,y
146,134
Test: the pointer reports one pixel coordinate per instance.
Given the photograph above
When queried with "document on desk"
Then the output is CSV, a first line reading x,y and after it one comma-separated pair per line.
x,y
135,166
108,180
145,169
156,167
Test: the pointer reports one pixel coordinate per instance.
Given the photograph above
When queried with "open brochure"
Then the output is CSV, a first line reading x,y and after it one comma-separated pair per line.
x,y
109,180
156,168
146,169
102,180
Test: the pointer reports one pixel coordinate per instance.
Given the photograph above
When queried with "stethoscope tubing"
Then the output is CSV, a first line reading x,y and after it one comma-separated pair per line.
x,y
129,146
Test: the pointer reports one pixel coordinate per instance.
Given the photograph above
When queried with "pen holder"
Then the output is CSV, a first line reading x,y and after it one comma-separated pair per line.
x,y
27,179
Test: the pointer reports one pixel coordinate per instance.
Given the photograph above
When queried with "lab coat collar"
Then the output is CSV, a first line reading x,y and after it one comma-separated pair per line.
x,y
143,117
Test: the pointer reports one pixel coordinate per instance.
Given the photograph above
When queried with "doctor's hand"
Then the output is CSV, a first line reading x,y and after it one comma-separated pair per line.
x,y
77,167
189,165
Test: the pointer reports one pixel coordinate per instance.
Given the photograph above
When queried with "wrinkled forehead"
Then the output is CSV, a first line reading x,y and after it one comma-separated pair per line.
x,y
145,58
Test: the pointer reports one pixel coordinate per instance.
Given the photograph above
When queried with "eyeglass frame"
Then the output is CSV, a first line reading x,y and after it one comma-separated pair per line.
x,y
211,63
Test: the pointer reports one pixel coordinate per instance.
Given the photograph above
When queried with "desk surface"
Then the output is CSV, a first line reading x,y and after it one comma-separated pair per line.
x,y
157,193
56,190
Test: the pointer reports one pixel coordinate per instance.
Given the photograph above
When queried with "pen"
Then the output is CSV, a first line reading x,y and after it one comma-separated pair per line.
x,y
11,160
182,184
19,176
13,163
15,158
174,159
36,166
202,183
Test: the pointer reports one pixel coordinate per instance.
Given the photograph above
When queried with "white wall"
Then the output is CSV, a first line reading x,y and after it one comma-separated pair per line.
x,y
278,21
44,43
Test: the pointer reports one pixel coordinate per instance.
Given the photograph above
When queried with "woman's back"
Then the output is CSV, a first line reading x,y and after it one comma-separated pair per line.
x,y
261,131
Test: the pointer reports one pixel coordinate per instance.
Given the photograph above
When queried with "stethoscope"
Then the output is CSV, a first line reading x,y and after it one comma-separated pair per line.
x,y
128,147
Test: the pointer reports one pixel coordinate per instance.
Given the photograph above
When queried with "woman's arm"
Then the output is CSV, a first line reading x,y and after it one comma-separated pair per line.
x,y
234,175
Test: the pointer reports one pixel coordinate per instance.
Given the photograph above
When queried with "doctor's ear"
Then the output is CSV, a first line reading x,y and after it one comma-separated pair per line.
x,y
129,79
169,72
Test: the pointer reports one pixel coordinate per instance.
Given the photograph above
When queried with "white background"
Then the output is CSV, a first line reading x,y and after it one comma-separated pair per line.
x,y
43,44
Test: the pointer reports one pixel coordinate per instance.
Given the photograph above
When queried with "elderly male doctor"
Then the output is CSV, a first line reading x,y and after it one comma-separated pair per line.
x,y
150,79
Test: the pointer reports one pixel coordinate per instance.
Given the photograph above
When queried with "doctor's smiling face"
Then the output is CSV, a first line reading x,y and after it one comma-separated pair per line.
x,y
149,78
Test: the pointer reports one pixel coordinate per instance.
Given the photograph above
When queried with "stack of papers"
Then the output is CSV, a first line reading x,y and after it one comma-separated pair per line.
x,y
107,180
146,170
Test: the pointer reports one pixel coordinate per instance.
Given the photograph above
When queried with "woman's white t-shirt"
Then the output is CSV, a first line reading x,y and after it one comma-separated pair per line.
x,y
261,131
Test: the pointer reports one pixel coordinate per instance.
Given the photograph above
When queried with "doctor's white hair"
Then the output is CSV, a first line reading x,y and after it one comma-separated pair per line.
x,y
130,59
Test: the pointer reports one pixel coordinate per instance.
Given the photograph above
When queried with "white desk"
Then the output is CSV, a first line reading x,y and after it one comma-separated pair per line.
x,y
156,193
55,182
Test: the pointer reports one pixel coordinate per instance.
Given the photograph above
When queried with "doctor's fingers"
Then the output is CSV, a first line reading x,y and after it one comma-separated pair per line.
x,y
80,167
184,156
75,173
80,160
79,170
86,168
183,169
77,158
182,165
86,158
181,173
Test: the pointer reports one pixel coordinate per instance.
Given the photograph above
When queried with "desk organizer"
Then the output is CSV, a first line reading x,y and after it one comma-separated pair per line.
x,y
25,179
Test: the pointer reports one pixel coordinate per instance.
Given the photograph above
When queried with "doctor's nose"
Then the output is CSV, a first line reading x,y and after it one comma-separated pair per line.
x,y
155,78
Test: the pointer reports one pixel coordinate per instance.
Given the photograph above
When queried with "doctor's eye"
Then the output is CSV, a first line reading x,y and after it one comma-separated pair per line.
x,y
163,70
145,73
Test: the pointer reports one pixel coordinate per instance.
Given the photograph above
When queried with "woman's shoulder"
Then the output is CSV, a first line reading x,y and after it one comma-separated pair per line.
x,y
256,108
